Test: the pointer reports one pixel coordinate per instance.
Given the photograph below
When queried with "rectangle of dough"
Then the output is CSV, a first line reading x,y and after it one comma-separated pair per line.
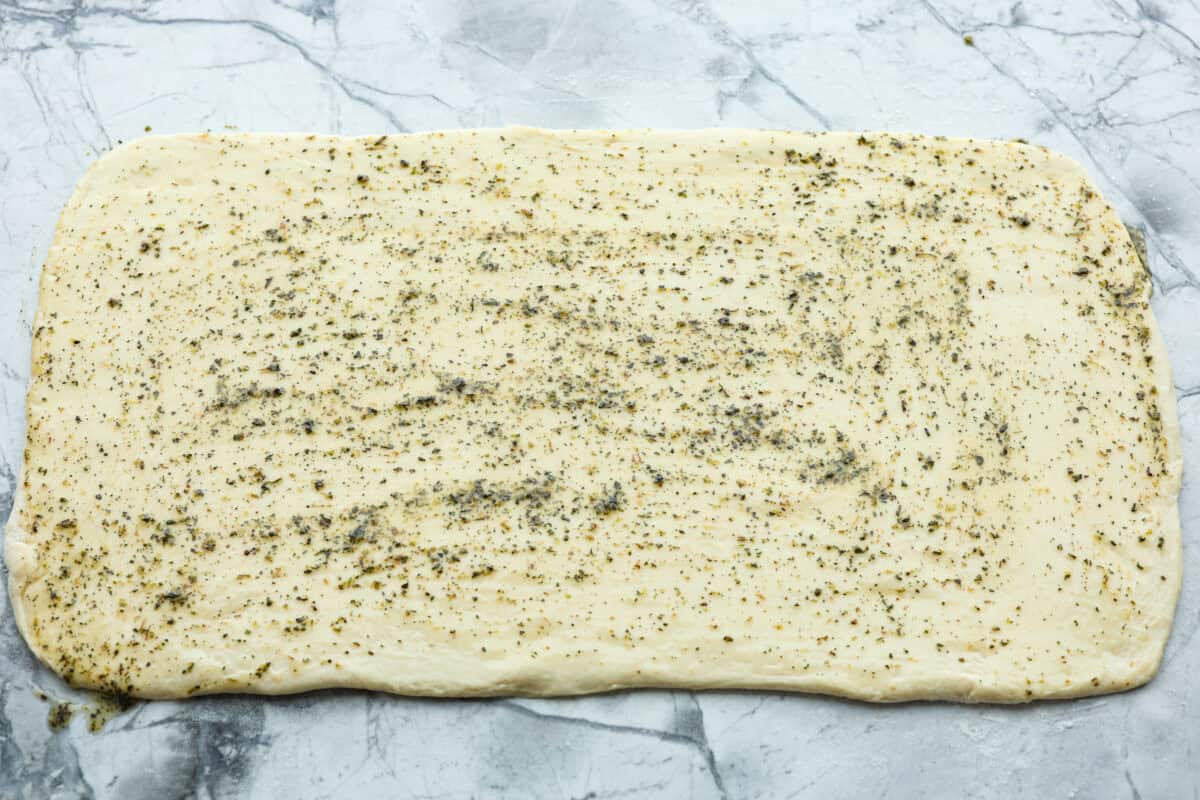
x,y
519,411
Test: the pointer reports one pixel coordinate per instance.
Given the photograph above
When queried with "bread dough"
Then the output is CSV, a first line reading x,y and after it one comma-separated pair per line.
x,y
530,412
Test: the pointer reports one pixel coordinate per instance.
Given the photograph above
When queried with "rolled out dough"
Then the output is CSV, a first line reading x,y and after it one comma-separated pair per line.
x,y
518,411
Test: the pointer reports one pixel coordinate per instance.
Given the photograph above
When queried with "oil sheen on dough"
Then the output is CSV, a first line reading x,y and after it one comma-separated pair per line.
x,y
518,411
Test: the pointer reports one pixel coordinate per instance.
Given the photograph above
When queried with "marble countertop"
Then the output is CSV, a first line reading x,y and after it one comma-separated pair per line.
x,y
1115,83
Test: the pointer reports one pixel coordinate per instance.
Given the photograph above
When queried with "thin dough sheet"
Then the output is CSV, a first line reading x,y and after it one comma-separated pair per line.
x,y
528,412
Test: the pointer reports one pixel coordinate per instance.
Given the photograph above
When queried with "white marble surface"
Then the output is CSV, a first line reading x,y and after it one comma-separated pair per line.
x,y
1115,83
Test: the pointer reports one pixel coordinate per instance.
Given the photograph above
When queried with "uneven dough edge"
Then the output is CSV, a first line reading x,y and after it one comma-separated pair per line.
x,y
20,557
539,681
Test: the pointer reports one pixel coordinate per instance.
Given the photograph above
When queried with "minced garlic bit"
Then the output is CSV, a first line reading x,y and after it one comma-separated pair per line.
x,y
482,412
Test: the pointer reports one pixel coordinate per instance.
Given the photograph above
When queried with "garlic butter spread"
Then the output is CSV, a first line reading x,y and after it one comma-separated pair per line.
x,y
520,411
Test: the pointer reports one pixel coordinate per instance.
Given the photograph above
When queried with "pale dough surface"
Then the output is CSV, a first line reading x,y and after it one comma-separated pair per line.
x,y
489,412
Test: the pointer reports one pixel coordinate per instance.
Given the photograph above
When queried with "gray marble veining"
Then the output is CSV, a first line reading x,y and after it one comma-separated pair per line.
x,y
1114,83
